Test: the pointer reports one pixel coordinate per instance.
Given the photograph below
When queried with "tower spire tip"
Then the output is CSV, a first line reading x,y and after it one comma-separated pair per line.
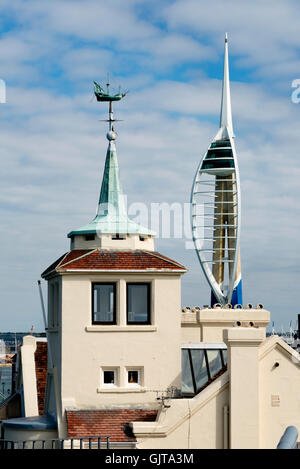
x,y
225,117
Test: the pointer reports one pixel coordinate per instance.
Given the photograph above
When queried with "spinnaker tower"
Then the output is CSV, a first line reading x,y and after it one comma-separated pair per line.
x,y
216,208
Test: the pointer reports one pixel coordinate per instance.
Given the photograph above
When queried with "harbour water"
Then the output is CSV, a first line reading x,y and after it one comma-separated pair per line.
x,y
5,381
10,342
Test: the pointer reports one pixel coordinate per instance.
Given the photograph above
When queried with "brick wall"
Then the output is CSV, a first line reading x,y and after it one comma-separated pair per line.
x,y
113,423
41,373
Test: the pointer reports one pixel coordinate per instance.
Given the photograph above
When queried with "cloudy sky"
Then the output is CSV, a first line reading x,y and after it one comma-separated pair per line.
x,y
169,55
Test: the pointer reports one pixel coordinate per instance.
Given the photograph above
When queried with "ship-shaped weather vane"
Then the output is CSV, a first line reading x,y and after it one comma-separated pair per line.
x,y
106,96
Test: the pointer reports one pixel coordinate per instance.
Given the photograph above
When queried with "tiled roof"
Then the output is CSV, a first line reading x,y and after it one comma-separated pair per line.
x,y
53,266
97,259
40,357
113,422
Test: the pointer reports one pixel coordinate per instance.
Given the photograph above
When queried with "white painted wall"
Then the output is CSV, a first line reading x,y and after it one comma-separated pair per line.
x,y
106,241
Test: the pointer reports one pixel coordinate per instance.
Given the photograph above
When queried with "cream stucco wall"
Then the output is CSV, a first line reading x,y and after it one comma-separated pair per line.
x,y
260,391
196,423
208,324
259,394
264,388
245,388
81,350
261,398
279,390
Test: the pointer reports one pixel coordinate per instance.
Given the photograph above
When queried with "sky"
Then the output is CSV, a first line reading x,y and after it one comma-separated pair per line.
x,y
169,55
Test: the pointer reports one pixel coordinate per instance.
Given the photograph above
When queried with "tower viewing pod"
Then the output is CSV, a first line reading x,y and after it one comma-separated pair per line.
x,y
216,208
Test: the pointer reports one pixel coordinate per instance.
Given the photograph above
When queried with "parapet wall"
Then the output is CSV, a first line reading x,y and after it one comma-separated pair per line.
x,y
207,324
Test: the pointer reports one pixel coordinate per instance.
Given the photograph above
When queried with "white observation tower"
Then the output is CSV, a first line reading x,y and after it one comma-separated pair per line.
x,y
216,208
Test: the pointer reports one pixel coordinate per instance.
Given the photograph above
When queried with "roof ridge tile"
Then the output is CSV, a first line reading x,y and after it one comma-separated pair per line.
x,y
90,251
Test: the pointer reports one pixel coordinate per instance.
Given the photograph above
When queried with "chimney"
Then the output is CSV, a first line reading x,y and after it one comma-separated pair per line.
x,y
244,395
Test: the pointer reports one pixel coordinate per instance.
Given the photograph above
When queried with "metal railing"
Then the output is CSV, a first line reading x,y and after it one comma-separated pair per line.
x,y
86,442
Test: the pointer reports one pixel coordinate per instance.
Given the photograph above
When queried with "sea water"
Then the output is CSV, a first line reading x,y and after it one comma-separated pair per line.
x,y
5,382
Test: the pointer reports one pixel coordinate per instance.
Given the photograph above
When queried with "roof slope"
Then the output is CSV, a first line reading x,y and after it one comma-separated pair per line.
x,y
106,260
274,341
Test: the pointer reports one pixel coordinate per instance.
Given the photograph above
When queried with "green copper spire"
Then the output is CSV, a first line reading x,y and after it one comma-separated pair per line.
x,y
111,215
111,196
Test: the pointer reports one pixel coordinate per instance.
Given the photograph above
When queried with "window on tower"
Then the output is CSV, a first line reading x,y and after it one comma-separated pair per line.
x,y
138,303
118,236
90,237
109,377
217,164
103,303
133,377
220,143
219,153
54,304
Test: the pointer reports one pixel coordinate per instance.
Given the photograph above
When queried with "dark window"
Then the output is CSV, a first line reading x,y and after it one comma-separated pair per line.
x,y
90,237
217,164
220,143
109,377
118,236
138,303
104,303
219,153
53,304
224,353
142,238
133,377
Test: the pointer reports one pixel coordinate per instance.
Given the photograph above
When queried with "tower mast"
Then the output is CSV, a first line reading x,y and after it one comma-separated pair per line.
x,y
226,115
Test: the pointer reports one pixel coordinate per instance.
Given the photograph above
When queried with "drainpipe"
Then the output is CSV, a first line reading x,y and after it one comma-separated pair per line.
x,y
225,427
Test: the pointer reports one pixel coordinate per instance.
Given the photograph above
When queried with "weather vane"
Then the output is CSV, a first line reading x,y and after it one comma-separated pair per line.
x,y
101,95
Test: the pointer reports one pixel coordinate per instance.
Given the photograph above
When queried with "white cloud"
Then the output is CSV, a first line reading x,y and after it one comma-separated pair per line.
x,y
262,34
